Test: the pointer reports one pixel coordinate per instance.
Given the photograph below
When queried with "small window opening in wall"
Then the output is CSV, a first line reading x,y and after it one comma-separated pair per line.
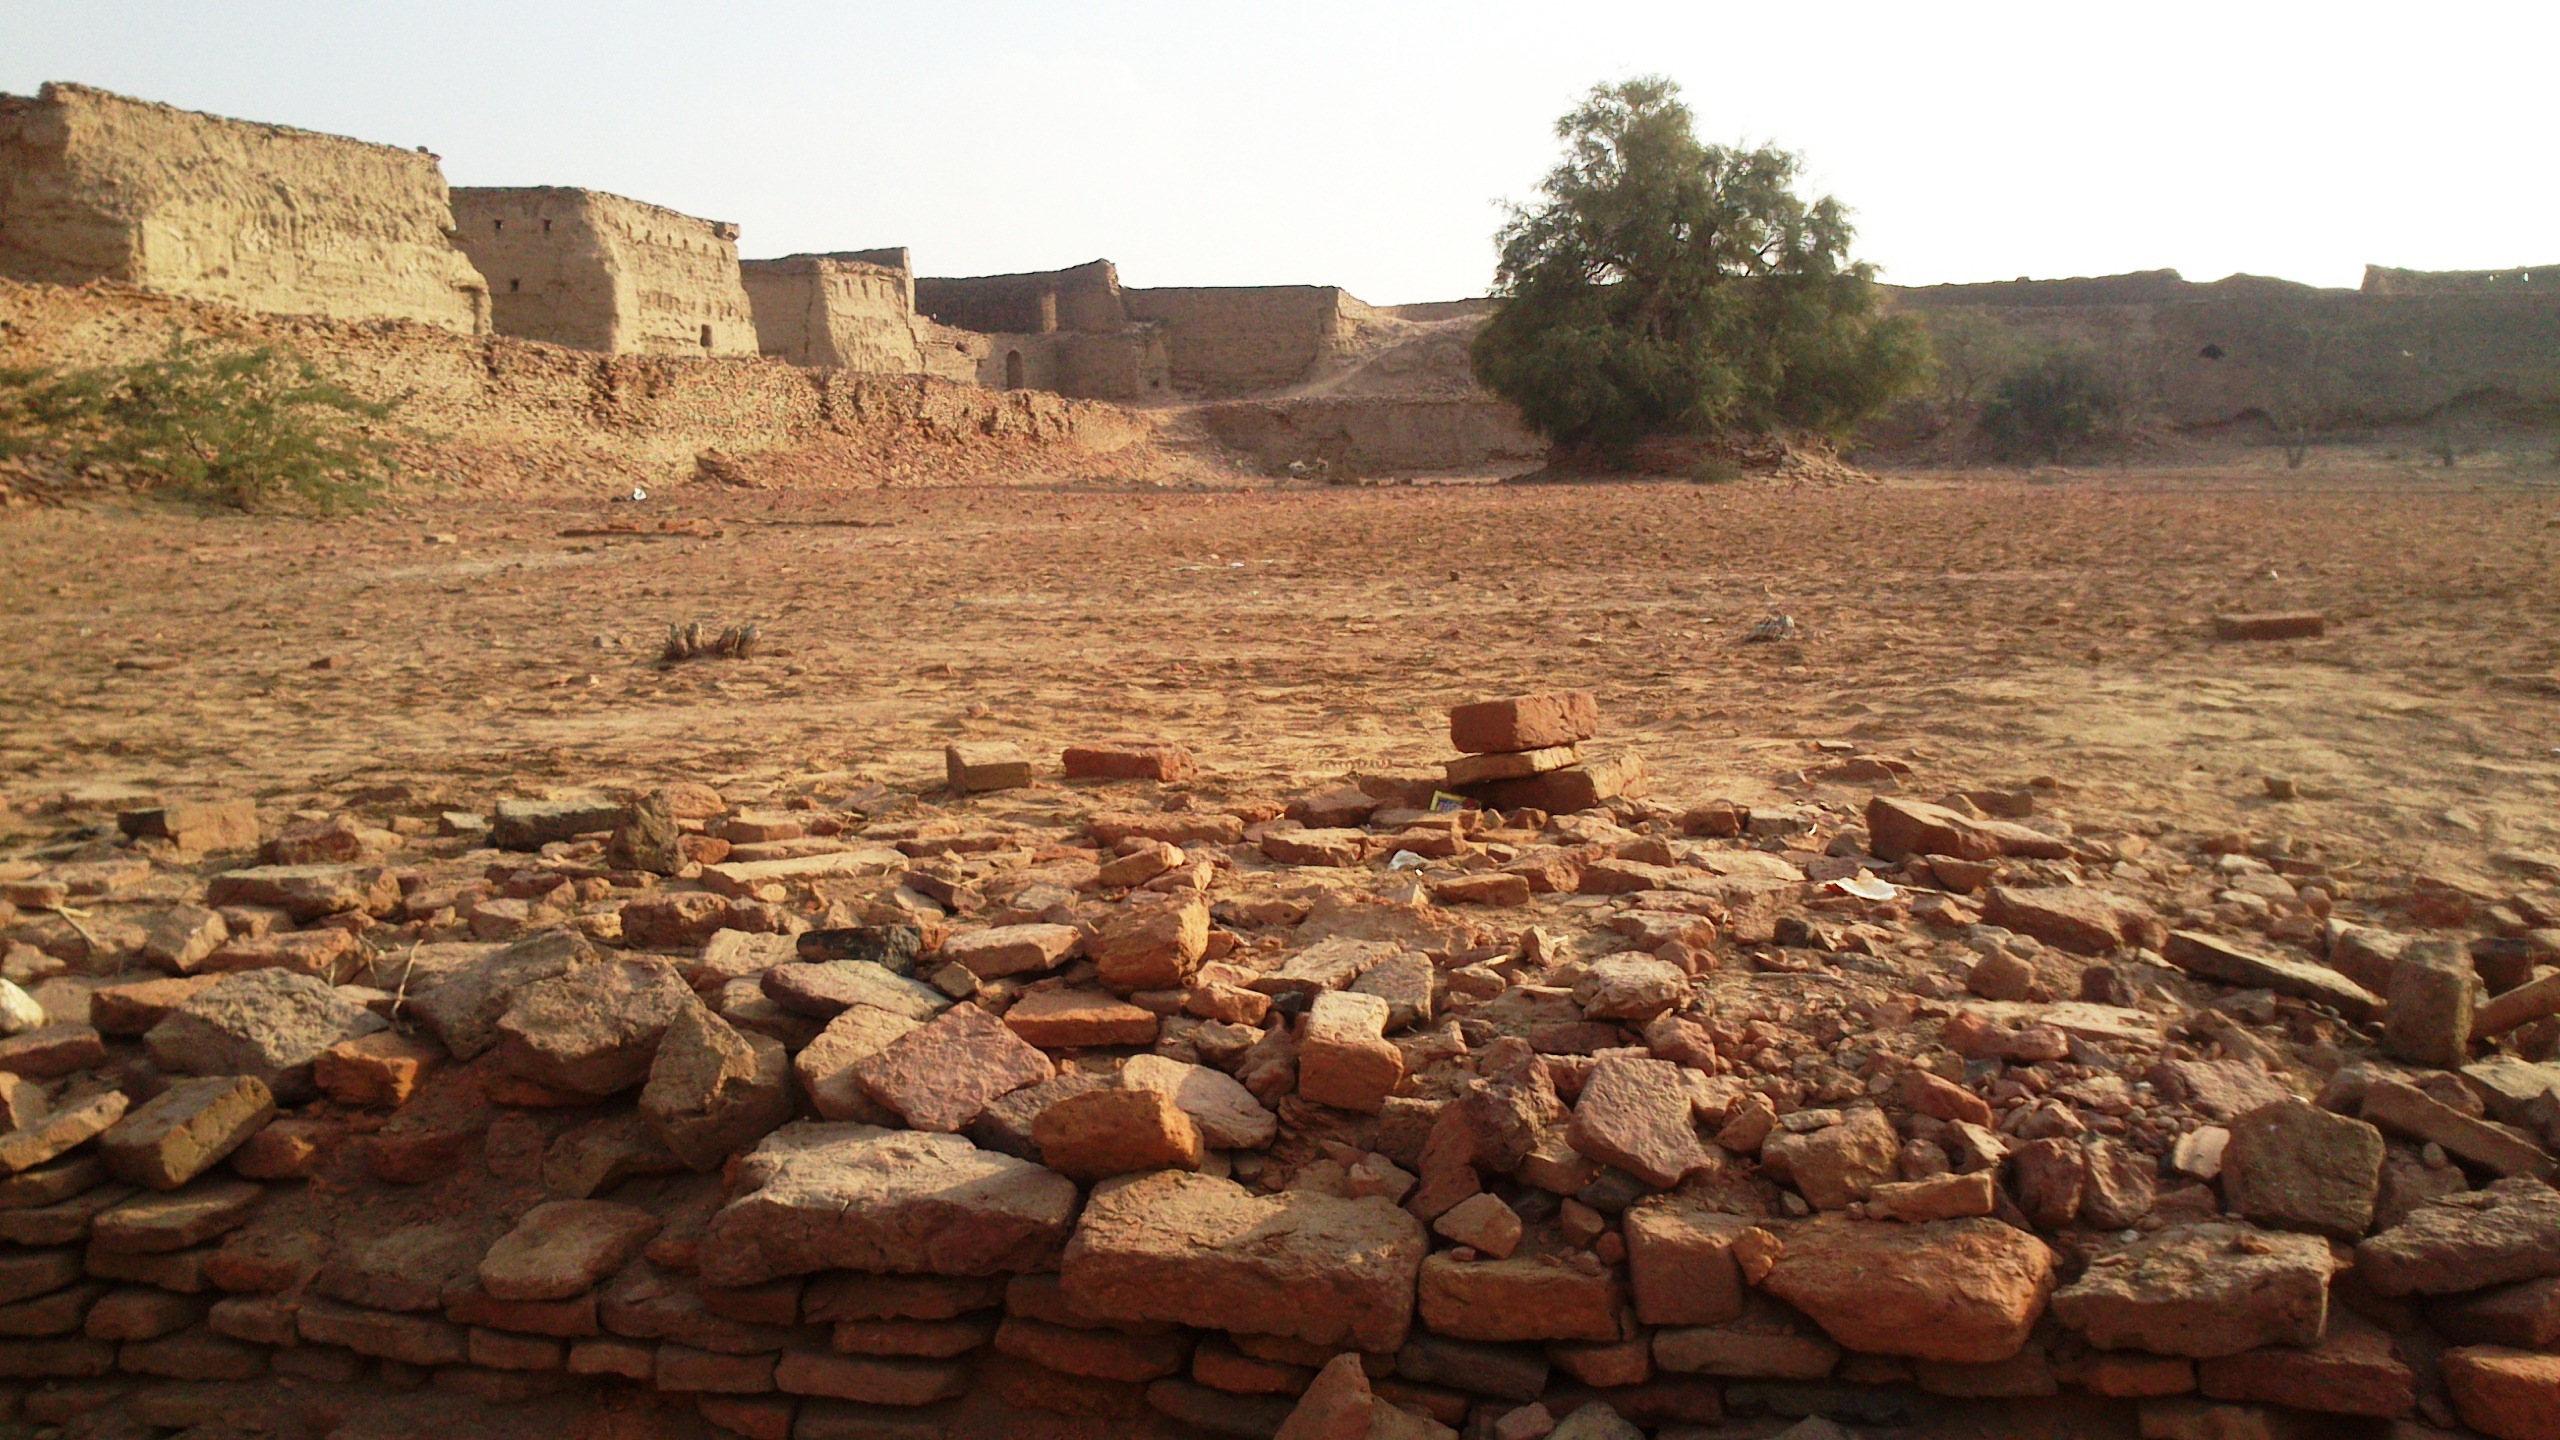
x,y
546,227
706,337
497,227
515,286
1013,369
2211,352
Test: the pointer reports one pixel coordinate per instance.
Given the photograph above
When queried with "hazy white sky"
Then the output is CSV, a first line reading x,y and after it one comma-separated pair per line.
x,y
1204,142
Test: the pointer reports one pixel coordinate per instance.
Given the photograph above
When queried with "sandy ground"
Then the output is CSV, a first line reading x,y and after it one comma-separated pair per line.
x,y
1987,630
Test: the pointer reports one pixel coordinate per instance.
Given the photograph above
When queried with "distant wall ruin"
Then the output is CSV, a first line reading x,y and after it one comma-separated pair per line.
x,y
601,272
1083,297
1352,436
2248,347
1229,340
96,186
850,311
1064,330
2535,279
1216,341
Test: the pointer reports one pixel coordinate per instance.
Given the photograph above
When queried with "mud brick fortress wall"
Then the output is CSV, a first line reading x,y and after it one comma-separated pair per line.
x,y
850,312
2401,349
600,272
549,410
95,186
1228,340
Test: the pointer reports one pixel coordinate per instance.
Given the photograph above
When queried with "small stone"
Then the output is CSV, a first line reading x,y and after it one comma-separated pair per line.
x,y
714,1091
1630,987
1152,947
1522,1298
150,1224
942,1075
852,1197
2217,959
2202,1290
1337,1405
1103,1133
1199,1251
382,1069
1524,722
1013,949
1337,849
61,1131
1227,1114
1940,1197
2509,1394
593,1030
1069,1019
2295,1166
1482,1223
1635,1114
2507,1232
825,990
183,936
1689,1264
1838,1164
2001,976
2083,921
563,1248
185,1130
1965,1291
2407,1110
270,1024
1344,1059
647,838
1165,764
976,767
1406,981
2428,1019
1942,1099
532,824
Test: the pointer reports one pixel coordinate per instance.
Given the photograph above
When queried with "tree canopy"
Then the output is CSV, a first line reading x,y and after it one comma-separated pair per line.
x,y
1664,285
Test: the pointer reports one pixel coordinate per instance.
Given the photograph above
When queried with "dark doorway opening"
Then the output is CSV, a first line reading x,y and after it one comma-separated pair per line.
x,y
1013,369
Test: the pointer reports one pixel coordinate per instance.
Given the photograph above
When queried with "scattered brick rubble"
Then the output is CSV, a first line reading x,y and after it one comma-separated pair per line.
x,y
1121,1106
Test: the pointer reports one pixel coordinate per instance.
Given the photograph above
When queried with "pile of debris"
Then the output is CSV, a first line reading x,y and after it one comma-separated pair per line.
x,y
1112,1105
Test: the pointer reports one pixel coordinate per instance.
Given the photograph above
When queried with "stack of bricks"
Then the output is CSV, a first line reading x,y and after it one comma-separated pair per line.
x,y
1526,753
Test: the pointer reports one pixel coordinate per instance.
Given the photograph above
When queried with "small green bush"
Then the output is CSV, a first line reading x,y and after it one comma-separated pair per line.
x,y
2050,408
252,428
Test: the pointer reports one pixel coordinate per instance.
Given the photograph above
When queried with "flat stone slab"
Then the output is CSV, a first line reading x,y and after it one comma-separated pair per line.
x,y
1227,1114
746,877
827,989
2203,1291
2218,959
1195,1250
1526,1297
2508,1231
819,1196
181,1132
150,1224
1966,1291
563,1248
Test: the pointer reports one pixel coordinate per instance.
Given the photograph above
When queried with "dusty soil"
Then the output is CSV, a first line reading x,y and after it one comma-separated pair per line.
x,y
1987,630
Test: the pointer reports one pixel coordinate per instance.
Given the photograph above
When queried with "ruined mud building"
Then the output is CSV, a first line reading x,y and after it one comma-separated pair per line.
x,y
100,187
95,186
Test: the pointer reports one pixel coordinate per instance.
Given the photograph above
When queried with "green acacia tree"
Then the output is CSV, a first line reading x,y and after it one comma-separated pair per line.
x,y
1667,286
